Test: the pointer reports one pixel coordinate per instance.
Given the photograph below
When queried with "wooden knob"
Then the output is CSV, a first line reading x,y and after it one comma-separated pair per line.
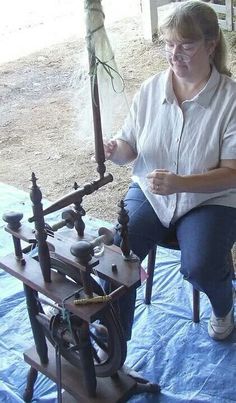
x,y
108,235
13,219
83,251
69,216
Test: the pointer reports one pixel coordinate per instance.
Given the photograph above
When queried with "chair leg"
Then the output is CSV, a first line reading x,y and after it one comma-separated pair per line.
x,y
150,273
231,262
196,305
233,274
149,283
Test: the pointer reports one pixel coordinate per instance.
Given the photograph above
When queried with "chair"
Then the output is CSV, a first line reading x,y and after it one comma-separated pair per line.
x,y
172,243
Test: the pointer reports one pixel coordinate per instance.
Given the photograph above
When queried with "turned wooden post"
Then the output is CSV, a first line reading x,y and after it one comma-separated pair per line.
x,y
13,224
80,212
41,234
123,220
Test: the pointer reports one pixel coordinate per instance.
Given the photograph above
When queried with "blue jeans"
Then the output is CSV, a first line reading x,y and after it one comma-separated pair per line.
x,y
205,234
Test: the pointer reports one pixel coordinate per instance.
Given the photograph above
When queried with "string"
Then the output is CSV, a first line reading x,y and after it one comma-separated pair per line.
x,y
145,201
109,69
65,313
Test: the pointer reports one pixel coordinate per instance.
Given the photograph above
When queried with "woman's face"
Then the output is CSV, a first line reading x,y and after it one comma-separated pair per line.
x,y
189,59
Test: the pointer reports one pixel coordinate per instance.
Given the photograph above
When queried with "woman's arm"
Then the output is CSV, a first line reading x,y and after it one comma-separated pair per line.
x,y
164,182
119,152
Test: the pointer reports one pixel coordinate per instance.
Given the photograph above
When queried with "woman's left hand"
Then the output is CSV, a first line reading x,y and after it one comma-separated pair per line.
x,y
163,182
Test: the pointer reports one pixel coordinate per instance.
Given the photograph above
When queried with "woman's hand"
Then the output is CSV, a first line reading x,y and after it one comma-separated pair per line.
x,y
163,182
118,151
110,148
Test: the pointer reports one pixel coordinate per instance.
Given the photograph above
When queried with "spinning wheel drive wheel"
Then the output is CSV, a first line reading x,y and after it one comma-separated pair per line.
x,y
110,355
106,339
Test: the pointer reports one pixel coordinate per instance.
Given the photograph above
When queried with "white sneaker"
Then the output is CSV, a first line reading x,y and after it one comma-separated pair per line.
x,y
220,328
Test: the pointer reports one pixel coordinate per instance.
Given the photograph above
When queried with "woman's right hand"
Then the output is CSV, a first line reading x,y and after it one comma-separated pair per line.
x,y
118,151
109,148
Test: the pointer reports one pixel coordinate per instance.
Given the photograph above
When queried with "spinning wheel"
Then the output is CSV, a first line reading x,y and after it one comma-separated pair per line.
x,y
107,345
84,328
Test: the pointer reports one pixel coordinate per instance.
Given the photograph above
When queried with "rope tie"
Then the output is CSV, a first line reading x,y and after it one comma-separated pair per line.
x,y
66,313
110,71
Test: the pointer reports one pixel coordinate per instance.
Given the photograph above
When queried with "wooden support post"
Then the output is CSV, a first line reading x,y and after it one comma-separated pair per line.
x,y
39,337
229,15
150,18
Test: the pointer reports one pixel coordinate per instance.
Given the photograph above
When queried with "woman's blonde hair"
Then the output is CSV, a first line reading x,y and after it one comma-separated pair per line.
x,y
197,20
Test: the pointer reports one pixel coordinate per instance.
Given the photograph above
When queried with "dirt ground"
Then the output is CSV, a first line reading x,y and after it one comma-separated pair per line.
x,y
40,128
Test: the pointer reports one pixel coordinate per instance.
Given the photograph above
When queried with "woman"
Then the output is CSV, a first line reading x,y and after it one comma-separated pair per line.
x,y
181,135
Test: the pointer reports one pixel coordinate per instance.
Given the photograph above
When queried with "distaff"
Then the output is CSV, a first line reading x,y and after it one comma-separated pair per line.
x,y
107,85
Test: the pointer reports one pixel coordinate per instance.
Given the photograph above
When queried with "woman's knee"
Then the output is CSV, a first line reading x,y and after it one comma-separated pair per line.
x,y
195,273
205,270
206,235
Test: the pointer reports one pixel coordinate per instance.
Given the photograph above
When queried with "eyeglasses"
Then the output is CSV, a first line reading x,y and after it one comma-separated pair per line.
x,y
180,57
183,56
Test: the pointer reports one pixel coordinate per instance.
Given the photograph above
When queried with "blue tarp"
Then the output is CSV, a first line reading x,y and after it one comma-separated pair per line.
x,y
166,347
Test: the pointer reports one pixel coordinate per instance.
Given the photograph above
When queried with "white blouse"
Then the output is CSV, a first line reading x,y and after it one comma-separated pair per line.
x,y
187,140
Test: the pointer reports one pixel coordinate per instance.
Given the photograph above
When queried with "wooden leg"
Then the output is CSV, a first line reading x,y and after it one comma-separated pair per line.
x,y
231,262
196,305
38,333
150,273
86,357
58,369
29,390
